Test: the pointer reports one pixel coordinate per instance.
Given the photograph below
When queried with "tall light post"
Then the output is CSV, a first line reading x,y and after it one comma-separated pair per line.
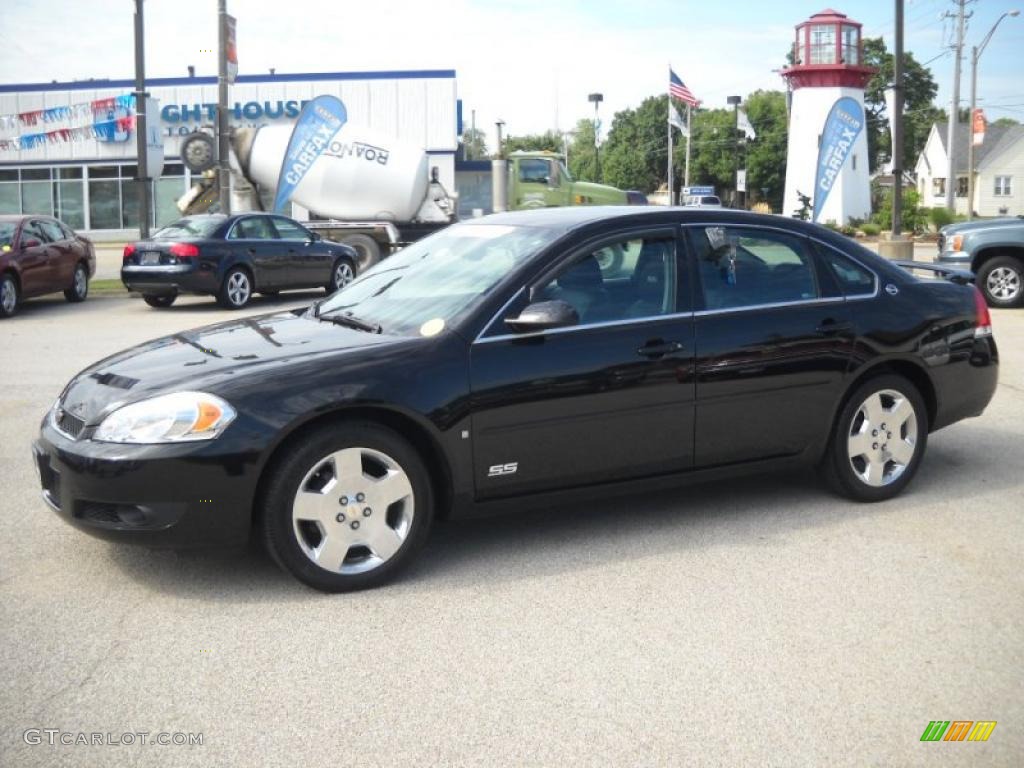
x,y
499,174
975,55
896,121
596,99
223,146
142,174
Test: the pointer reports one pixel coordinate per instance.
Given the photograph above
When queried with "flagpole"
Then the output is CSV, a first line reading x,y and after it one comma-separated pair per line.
x,y
689,132
669,174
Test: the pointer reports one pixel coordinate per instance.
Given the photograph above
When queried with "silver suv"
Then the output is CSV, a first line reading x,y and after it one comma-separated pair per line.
x,y
994,250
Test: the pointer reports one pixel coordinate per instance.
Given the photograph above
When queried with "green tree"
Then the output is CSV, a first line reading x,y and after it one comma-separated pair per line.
x,y
766,154
634,156
549,141
713,148
1008,121
582,158
474,143
919,89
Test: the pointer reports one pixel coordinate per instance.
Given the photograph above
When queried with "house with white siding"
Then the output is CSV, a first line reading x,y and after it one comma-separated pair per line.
x,y
998,170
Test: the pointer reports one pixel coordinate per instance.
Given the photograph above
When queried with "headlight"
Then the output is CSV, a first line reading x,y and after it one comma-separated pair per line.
x,y
174,418
957,243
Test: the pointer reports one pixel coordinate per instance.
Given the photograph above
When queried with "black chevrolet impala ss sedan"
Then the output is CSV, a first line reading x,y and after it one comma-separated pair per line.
x,y
517,360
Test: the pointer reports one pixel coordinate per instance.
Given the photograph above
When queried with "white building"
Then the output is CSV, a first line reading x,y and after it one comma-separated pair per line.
x,y
998,170
827,66
88,182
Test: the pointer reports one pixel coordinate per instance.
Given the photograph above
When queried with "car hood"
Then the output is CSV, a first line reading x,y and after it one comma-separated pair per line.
x,y
213,359
967,226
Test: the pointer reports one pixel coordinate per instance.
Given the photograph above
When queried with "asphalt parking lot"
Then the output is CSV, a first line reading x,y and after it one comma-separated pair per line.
x,y
764,622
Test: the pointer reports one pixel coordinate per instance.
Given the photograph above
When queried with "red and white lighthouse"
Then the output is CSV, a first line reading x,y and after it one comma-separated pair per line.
x,y
828,64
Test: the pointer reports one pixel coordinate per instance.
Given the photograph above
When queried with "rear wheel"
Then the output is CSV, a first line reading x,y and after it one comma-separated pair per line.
x,y
236,290
8,295
79,285
1001,279
879,440
348,507
344,272
159,301
367,250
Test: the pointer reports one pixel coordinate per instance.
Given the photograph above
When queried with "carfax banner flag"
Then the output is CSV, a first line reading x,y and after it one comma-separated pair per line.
x,y
844,123
316,125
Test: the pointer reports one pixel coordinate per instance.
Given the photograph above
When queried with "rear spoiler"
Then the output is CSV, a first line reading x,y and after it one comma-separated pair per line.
x,y
959,276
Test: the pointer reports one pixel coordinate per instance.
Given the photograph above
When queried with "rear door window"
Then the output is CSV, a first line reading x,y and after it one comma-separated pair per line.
x,y
746,267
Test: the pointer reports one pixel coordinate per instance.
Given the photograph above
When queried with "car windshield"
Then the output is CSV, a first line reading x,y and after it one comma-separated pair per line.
x,y
423,288
6,233
192,226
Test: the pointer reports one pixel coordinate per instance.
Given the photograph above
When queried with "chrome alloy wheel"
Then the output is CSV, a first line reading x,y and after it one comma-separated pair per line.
x,y
8,296
353,510
1003,284
883,438
343,275
239,288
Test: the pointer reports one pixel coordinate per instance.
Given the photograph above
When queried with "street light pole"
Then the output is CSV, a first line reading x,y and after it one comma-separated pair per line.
x,y
975,55
596,99
896,118
223,146
142,172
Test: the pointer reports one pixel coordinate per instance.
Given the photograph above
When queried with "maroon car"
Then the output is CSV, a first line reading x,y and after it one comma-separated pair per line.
x,y
39,255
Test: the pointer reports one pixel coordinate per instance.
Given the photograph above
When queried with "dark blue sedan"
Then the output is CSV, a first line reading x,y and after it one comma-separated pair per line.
x,y
232,257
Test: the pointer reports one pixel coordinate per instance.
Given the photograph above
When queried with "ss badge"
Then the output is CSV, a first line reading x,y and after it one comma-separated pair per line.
x,y
503,469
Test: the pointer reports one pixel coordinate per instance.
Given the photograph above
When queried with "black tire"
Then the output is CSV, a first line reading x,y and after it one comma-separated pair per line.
x,y
1001,280
236,289
839,465
367,251
159,301
79,289
10,296
282,537
342,273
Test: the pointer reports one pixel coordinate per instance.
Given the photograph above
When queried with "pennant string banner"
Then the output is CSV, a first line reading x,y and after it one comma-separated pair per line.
x,y
108,119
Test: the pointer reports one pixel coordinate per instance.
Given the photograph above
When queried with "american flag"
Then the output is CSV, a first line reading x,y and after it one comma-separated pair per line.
x,y
677,88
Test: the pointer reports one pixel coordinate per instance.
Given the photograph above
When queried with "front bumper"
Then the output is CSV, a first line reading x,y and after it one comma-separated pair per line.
x,y
179,496
955,259
170,279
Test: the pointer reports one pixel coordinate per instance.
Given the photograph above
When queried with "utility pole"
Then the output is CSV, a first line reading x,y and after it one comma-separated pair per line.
x,y
142,174
596,98
499,175
735,101
954,107
223,145
896,120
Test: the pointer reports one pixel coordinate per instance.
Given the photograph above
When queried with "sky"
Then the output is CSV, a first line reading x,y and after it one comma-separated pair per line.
x,y
530,63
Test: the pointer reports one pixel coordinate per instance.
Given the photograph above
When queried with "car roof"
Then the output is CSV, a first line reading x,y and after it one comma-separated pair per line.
x,y
573,217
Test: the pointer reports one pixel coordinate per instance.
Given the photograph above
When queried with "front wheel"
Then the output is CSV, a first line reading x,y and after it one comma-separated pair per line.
x,y
79,289
236,290
879,439
159,301
344,272
1002,282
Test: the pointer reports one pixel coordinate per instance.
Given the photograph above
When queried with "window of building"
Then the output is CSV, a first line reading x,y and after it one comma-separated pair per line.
x,y
823,44
851,51
745,267
961,186
938,187
1003,186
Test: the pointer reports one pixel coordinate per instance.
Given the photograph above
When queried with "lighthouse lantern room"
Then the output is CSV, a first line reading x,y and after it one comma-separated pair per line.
x,y
828,65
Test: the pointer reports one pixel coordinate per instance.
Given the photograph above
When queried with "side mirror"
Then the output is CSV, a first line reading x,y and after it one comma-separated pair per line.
x,y
543,316
31,243
314,237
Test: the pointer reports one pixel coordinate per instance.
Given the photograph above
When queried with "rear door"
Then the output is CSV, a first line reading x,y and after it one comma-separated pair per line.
x,y
774,341
608,399
253,240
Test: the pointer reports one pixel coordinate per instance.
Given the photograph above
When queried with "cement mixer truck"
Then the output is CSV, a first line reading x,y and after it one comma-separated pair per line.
x,y
374,192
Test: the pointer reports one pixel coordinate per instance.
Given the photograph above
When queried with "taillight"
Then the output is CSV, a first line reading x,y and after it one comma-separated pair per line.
x,y
129,254
185,251
983,321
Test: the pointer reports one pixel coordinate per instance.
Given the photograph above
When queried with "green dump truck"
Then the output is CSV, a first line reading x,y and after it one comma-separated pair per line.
x,y
541,180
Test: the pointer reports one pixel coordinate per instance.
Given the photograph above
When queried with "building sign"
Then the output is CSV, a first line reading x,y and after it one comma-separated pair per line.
x,y
842,126
180,119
